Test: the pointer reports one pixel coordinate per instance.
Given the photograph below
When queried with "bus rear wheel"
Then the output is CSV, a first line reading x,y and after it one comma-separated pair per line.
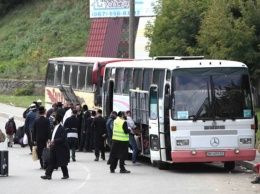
x,y
229,165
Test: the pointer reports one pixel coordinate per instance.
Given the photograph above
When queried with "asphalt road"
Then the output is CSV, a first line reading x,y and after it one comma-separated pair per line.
x,y
88,176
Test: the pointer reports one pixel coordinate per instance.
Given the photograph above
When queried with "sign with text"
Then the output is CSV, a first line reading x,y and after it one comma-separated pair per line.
x,y
120,8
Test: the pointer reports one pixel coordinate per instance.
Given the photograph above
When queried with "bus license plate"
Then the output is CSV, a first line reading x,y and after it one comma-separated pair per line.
x,y
212,154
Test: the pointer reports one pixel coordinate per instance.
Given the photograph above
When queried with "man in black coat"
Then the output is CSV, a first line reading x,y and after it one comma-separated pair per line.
x,y
80,117
41,133
99,128
85,116
90,133
59,150
71,125
59,109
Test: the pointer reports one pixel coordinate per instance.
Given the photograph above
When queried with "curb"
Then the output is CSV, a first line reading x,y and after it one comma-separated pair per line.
x,y
247,164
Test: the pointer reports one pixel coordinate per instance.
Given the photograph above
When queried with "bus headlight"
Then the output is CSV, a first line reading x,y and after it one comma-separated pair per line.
x,y
245,140
182,142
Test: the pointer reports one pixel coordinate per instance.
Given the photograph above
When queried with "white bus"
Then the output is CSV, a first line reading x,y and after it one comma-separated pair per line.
x,y
189,109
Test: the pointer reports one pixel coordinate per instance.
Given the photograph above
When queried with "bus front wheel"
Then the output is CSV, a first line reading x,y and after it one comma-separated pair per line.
x,y
229,165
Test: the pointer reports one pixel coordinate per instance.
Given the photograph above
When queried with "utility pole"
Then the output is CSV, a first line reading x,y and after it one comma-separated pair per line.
x,y
131,30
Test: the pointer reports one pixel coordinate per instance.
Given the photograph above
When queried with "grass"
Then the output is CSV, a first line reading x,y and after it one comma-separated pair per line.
x,y
20,101
37,30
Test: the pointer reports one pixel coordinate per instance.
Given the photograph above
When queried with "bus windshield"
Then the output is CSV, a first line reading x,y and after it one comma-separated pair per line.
x,y
223,93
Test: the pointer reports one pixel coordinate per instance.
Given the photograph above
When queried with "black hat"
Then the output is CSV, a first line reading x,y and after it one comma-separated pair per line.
x,y
74,111
59,104
42,109
59,117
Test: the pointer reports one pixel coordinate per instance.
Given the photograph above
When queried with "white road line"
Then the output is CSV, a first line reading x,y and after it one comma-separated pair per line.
x,y
88,176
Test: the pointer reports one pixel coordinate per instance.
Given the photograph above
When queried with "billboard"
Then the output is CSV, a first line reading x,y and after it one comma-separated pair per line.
x,y
120,8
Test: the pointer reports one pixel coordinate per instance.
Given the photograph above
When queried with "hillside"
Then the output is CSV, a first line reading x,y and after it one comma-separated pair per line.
x,y
33,32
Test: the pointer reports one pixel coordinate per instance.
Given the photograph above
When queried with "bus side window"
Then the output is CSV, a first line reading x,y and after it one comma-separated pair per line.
x,y
74,76
119,80
89,84
138,76
128,80
158,78
50,74
58,75
66,74
81,78
147,80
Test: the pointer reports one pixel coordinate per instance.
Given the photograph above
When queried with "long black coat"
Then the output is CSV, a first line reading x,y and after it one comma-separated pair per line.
x,y
61,147
99,127
41,130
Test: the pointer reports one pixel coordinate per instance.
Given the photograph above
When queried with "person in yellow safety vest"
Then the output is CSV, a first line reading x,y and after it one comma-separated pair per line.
x,y
120,142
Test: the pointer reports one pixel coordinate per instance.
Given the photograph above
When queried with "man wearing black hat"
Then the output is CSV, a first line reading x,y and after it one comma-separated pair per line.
x,y
71,125
29,122
60,110
41,133
59,150
99,127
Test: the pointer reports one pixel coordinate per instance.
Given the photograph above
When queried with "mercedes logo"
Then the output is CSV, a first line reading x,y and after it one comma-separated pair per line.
x,y
214,141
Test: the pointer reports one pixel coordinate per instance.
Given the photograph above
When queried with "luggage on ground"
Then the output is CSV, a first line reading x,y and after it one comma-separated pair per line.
x,y
2,136
4,162
46,154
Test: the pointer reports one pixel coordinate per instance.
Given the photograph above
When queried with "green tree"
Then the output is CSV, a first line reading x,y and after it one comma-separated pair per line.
x,y
176,26
227,32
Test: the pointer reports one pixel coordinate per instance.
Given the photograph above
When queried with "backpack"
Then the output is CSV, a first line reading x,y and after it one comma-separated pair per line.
x,y
9,128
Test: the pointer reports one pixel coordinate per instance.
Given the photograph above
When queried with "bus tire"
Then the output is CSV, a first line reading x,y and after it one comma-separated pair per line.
x,y
229,165
162,165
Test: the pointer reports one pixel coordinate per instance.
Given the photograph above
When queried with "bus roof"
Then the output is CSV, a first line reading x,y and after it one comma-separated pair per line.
x,y
174,64
86,59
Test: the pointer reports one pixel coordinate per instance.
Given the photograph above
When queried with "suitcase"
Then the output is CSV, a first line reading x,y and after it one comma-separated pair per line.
x,y
46,157
4,162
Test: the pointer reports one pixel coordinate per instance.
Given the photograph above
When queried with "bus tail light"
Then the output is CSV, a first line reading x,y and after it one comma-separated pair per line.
x,y
253,126
193,152
173,128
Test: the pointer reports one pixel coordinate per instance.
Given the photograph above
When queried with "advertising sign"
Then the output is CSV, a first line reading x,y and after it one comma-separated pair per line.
x,y
120,8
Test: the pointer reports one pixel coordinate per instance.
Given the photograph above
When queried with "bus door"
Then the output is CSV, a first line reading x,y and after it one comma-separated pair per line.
x,y
109,98
69,94
166,131
154,126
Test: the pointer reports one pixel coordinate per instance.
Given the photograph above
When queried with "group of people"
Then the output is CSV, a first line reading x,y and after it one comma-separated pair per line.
x,y
77,129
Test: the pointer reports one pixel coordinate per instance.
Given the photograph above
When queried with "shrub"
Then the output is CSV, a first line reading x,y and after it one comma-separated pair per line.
x,y
26,91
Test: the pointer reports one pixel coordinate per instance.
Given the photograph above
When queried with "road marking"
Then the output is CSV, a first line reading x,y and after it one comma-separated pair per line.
x,y
86,179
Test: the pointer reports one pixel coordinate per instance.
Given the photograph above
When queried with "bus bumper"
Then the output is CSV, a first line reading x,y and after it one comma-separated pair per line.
x,y
212,155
